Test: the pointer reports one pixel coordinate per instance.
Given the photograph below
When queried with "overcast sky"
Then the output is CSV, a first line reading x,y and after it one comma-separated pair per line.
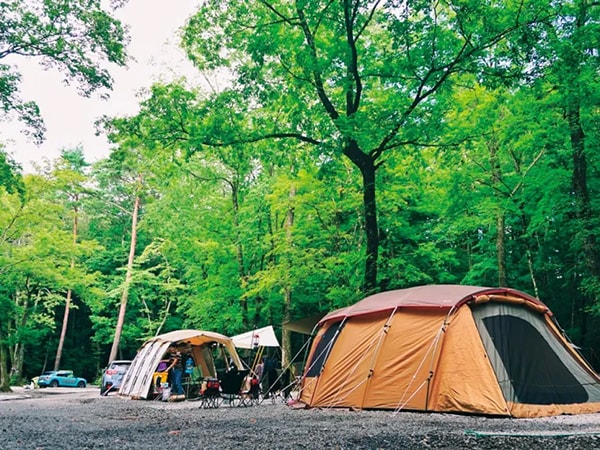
x,y
70,118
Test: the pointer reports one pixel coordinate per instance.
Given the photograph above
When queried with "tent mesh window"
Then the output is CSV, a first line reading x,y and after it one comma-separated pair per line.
x,y
323,349
537,374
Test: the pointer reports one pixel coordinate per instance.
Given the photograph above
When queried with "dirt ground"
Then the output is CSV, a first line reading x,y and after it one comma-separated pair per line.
x,y
63,418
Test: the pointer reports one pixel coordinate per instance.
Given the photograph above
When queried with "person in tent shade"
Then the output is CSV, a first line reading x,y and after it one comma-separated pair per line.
x,y
175,370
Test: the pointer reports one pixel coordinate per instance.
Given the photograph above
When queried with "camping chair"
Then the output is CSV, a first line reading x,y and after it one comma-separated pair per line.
x,y
231,386
191,387
275,383
210,393
157,385
251,396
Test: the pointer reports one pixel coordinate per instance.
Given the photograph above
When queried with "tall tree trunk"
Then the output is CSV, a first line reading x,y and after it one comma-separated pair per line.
x,y
372,231
63,331
582,201
574,61
4,374
239,251
17,350
501,249
500,217
65,322
367,167
580,188
286,345
128,275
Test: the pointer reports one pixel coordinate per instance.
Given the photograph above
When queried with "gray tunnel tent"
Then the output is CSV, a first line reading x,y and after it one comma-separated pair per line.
x,y
137,383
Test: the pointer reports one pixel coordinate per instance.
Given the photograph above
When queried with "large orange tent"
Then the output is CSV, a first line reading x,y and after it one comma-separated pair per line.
x,y
449,348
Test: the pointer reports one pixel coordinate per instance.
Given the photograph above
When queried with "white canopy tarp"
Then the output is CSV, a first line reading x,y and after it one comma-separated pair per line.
x,y
261,337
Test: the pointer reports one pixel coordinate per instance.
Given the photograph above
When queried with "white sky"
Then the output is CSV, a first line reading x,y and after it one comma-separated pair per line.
x,y
69,118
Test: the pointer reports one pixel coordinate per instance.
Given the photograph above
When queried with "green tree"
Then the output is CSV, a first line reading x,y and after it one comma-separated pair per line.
x,y
217,207
356,79
10,174
70,172
77,37
36,250
572,48
503,135
119,188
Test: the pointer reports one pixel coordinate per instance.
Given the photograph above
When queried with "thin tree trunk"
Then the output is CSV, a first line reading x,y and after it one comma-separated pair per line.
x,y
239,251
17,350
65,321
128,275
164,319
500,217
501,249
532,274
63,331
20,359
4,375
372,230
584,211
286,345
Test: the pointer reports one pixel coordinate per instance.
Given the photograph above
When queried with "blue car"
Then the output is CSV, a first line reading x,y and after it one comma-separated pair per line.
x,y
62,378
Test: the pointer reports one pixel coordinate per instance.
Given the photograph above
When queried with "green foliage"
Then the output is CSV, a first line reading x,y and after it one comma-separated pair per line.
x,y
254,206
10,174
77,38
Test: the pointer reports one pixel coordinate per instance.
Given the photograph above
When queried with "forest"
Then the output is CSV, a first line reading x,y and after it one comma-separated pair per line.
x,y
357,146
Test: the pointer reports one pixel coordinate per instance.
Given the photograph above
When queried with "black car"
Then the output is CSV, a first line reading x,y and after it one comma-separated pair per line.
x,y
113,375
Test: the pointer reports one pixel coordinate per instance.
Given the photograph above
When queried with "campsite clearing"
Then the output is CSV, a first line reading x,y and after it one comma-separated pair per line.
x,y
81,419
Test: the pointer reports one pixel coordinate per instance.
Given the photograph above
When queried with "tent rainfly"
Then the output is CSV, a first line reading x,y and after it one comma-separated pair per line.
x,y
138,380
449,348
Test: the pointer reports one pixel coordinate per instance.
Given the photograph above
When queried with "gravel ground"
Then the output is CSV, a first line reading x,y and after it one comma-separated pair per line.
x,y
63,418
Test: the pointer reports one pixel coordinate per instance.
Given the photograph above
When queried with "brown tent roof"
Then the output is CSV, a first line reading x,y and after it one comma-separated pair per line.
x,y
444,296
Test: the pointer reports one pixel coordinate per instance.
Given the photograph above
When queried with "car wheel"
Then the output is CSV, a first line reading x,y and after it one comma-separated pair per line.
x,y
54,383
81,384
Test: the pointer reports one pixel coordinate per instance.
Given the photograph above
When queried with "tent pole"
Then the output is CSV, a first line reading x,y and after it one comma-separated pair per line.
x,y
257,358
326,351
386,327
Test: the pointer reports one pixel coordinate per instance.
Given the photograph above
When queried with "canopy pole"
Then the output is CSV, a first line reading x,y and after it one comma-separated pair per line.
x,y
257,358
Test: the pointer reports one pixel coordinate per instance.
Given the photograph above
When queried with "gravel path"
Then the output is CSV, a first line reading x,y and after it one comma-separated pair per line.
x,y
62,418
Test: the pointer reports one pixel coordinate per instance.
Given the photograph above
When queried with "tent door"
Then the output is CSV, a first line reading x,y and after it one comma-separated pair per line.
x,y
531,363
